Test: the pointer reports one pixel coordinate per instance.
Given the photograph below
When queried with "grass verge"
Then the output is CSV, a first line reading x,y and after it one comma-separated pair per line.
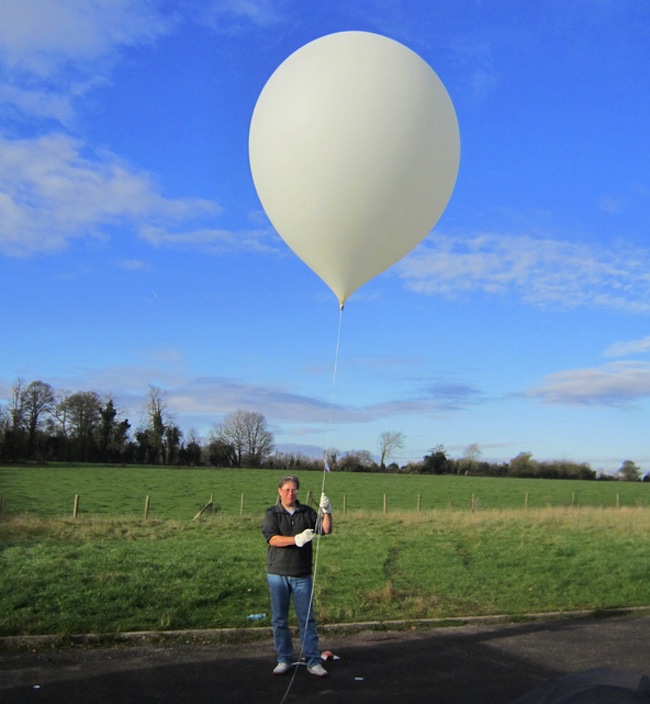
x,y
97,575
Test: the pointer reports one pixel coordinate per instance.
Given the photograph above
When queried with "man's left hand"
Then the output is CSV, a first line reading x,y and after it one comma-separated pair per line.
x,y
325,504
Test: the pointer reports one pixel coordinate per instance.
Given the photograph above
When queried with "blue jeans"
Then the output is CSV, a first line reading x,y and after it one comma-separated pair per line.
x,y
282,590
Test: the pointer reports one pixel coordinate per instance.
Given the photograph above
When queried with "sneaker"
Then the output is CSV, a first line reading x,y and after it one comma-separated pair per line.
x,y
318,670
282,668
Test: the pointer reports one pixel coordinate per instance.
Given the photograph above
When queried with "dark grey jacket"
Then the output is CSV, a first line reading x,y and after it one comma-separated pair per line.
x,y
291,561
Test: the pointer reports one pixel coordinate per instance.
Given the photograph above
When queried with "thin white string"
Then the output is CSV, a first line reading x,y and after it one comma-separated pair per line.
x,y
320,518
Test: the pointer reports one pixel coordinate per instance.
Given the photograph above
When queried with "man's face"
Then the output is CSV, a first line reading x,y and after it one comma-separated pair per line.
x,y
288,494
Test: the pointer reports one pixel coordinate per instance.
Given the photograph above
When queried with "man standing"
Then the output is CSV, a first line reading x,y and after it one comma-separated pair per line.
x,y
289,527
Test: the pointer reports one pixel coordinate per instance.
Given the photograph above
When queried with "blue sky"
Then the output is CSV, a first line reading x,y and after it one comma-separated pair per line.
x,y
134,249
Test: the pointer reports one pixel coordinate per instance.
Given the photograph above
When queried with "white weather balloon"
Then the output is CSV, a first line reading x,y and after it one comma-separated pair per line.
x,y
354,150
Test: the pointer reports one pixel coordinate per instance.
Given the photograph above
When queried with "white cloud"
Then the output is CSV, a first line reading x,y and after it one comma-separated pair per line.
x,y
451,396
213,241
615,384
231,16
51,193
38,103
54,51
609,204
215,396
542,272
52,190
201,402
482,65
133,265
623,349
43,37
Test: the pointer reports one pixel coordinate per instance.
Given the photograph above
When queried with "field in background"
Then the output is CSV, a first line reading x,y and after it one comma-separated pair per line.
x,y
579,545
108,576
178,494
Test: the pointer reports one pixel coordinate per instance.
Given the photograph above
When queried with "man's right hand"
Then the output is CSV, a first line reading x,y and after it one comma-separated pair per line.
x,y
305,537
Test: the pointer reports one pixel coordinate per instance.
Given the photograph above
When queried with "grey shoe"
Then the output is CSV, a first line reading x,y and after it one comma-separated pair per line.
x,y
282,668
318,670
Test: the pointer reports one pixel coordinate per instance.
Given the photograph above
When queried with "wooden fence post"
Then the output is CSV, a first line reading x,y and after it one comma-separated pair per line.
x,y
573,498
241,505
419,502
526,501
345,504
75,509
385,503
146,508
209,505
618,500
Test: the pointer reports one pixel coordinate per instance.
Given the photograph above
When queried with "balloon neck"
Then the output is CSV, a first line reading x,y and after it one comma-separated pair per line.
x,y
341,304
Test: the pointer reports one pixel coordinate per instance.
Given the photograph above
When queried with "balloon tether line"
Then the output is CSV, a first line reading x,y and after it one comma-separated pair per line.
x,y
320,516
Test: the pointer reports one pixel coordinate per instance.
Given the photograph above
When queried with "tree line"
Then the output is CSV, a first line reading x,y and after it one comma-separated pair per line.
x,y
43,424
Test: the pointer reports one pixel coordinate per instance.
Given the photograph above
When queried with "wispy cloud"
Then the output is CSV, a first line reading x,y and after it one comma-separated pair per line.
x,y
202,402
611,205
53,51
55,189
51,192
541,272
213,241
453,396
41,36
615,384
482,76
133,265
218,395
231,16
624,349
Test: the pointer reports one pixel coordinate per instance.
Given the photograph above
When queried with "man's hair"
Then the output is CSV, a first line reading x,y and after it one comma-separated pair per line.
x,y
289,478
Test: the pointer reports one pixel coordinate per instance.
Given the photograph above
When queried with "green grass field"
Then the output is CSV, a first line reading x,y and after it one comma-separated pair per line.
x,y
111,571
177,494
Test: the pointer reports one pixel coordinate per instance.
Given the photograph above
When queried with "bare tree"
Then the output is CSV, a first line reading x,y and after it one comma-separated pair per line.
x,y
470,460
37,399
16,408
248,434
60,413
5,424
389,441
15,432
156,411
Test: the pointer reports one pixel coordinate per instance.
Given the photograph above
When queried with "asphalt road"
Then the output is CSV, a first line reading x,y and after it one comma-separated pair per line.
x,y
488,664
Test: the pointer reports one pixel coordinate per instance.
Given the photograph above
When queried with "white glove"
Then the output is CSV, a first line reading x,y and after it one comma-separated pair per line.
x,y
325,504
305,537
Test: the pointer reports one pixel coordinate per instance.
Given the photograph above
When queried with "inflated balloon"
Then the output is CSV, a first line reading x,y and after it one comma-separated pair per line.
x,y
354,151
